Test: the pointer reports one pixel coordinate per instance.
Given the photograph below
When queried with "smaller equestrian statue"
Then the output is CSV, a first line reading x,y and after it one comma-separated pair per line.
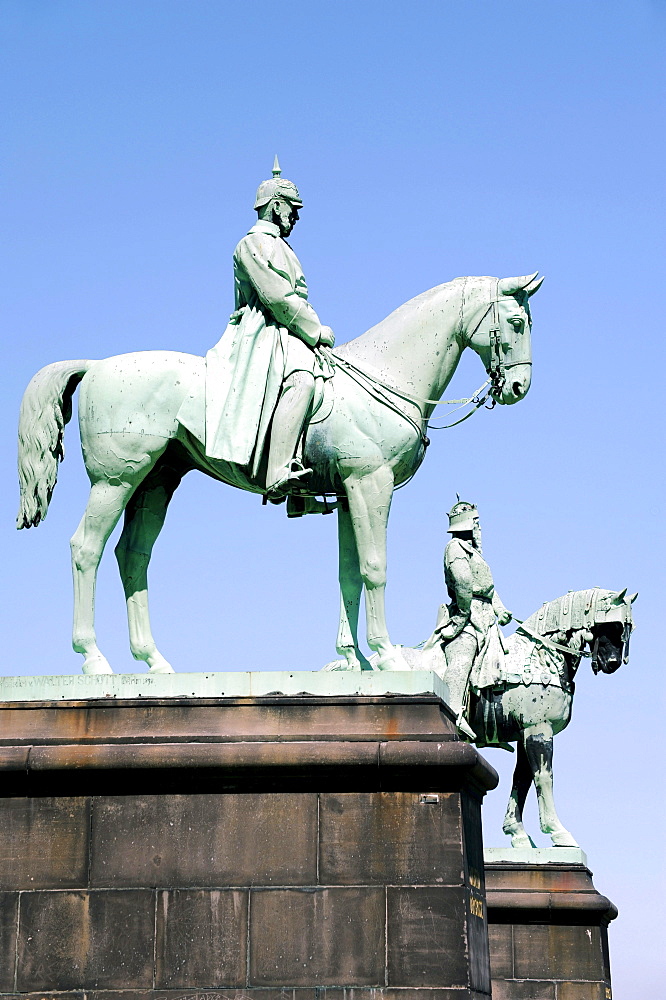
x,y
517,690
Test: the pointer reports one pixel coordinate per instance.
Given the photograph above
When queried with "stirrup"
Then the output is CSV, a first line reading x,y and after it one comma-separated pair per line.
x,y
464,728
292,472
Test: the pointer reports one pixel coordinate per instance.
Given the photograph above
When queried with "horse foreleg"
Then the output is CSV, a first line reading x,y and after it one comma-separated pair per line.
x,y
369,505
105,505
539,750
351,585
513,821
144,518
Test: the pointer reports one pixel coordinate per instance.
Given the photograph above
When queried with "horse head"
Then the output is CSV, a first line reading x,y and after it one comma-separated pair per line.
x,y
496,322
611,631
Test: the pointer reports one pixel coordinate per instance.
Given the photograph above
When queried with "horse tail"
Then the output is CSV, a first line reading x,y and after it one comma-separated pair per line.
x,y
45,409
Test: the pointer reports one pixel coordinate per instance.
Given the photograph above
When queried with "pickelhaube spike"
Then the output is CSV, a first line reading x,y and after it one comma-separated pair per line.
x,y
276,167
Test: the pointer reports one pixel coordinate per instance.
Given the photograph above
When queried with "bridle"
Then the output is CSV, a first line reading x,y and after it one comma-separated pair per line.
x,y
498,365
495,370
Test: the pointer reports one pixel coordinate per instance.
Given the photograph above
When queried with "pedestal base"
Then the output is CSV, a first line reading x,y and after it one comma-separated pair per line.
x,y
242,847
547,926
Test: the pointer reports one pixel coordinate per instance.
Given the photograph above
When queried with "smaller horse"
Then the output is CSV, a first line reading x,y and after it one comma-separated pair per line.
x,y
533,700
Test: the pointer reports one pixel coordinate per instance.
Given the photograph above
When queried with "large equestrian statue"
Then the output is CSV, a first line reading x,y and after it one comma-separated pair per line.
x,y
148,418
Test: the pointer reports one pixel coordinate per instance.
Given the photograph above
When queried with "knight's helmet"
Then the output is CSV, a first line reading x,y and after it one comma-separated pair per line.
x,y
461,516
277,187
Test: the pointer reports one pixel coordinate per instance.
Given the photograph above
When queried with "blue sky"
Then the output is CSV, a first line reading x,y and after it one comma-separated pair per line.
x,y
429,140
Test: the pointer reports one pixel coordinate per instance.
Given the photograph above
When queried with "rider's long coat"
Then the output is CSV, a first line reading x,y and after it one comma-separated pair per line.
x,y
272,333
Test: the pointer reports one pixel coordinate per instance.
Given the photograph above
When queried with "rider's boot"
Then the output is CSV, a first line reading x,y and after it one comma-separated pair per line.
x,y
284,470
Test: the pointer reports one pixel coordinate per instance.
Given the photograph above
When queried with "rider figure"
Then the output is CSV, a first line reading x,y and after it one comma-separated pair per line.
x,y
271,350
468,627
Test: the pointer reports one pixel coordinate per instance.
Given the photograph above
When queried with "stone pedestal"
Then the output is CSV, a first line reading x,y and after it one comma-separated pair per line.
x,y
248,847
547,926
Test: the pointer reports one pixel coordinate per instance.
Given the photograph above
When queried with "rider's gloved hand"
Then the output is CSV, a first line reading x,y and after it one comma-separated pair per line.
x,y
504,617
326,337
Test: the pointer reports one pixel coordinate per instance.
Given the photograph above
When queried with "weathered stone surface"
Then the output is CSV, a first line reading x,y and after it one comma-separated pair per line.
x,y
229,867
205,840
8,924
77,940
427,944
226,720
582,991
44,842
500,939
325,936
527,989
285,993
201,938
556,952
390,837
547,931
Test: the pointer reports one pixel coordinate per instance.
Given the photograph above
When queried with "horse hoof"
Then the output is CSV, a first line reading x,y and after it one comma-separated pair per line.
x,y
161,668
563,839
340,665
391,660
96,664
521,840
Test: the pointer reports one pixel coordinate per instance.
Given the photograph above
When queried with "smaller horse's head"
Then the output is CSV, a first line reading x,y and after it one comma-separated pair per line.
x,y
497,324
611,632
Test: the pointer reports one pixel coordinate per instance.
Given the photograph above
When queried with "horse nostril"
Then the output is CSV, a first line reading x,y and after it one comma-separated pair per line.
x,y
517,389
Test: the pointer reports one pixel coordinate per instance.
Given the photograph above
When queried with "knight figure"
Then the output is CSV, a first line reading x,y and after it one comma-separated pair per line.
x,y
260,377
468,628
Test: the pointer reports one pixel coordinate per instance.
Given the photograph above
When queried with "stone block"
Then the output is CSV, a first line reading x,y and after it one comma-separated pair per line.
x,y
205,840
500,939
525,989
556,951
583,991
8,925
332,936
44,842
426,934
263,993
79,940
201,938
389,838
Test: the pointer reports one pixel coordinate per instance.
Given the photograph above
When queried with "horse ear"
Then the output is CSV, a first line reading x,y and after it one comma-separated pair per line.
x,y
534,286
509,286
619,598
632,597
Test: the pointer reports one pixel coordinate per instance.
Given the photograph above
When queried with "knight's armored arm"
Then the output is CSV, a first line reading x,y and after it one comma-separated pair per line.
x,y
502,612
459,575
276,293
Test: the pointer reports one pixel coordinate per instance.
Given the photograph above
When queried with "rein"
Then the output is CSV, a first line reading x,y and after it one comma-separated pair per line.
x,y
549,642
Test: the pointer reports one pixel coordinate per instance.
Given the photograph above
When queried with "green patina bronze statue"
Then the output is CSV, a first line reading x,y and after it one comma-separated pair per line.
x,y
468,629
261,375
272,410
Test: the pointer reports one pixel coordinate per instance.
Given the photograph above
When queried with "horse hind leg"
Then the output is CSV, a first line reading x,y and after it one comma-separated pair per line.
x,y
144,518
513,820
539,750
105,505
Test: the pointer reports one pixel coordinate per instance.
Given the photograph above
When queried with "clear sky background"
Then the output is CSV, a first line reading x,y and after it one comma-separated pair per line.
x,y
429,140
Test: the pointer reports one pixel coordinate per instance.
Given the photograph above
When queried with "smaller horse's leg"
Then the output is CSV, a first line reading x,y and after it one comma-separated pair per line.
x,y
105,505
351,585
369,505
539,750
144,518
513,821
